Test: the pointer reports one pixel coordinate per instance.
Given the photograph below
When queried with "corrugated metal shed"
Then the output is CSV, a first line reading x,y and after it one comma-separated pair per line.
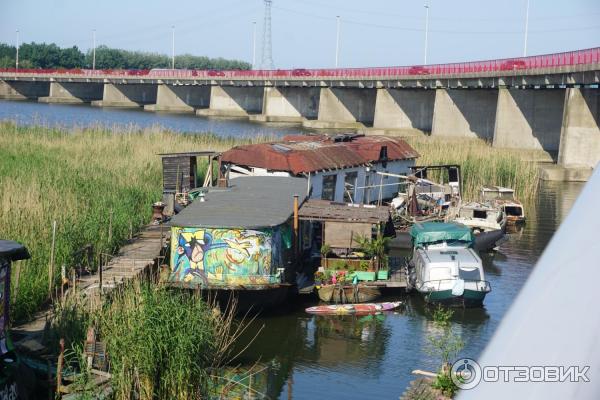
x,y
311,153
250,202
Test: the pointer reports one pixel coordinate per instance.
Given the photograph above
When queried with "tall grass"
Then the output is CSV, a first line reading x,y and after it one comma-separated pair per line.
x,y
480,164
78,178
161,343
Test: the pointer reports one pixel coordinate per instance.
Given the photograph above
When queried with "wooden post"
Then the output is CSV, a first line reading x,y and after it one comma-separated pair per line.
x,y
110,218
296,226
130,230
63,278
17,278
102,256
59,365
51,269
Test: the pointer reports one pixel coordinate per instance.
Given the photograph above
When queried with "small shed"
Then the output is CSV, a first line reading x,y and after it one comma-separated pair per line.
x,y
180,170
180,175
342,223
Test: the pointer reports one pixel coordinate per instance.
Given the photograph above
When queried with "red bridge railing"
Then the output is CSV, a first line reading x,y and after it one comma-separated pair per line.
x,y
521,64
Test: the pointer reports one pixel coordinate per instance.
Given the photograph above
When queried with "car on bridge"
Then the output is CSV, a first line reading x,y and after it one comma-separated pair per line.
x,y
511,65
301,72
418,70
214,72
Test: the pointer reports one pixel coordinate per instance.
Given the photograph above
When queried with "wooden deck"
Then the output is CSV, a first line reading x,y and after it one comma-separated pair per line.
x,y
136,259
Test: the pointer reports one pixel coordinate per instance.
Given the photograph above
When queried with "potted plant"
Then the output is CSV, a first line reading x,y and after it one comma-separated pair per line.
x,y
325,250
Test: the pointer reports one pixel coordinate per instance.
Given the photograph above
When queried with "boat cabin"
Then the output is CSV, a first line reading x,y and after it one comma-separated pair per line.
x,y
504,198
237,236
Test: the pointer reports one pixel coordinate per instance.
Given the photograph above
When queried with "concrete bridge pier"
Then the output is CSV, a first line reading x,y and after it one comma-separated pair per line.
x,y
180,98
580,133
73,92
469,113
288,104
23,90
529,119
403,111
127,95
344,108
233,101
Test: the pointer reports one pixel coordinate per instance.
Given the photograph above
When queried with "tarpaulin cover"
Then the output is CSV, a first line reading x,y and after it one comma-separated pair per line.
x,y
432,232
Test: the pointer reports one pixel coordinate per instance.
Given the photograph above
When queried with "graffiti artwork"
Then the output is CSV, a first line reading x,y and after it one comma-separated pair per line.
x,y
224,256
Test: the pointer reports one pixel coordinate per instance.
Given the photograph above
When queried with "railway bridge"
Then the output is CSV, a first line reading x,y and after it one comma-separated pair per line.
x,y
547,102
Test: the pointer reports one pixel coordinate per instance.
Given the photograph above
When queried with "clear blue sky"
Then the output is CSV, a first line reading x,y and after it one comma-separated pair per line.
x,y
373,32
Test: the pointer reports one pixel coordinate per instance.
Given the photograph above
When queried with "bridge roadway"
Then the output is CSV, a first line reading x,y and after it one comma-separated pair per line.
x,y
547,102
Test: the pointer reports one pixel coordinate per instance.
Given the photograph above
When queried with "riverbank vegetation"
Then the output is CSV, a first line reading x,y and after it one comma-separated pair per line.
x,y
97,184
42,55
162,343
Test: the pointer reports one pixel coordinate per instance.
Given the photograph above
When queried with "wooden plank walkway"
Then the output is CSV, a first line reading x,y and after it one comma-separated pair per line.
x,y
134,260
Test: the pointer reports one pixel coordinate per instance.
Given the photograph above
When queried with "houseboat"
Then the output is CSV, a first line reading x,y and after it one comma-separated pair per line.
x,y
481,217
239,240
346,168
444,267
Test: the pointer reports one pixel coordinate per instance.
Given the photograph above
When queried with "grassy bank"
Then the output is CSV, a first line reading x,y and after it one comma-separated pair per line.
x,y
162,343
79,178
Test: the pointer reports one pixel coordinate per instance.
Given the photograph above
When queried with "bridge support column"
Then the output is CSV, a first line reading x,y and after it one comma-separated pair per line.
x,y
180,98
127,95
580,134
73,93
233,101
288,104
344,108
23,90
403,111
529,119
467,113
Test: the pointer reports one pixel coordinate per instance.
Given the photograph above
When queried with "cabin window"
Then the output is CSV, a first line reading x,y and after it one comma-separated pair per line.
x,y
480,214
513,211
329,182
349,186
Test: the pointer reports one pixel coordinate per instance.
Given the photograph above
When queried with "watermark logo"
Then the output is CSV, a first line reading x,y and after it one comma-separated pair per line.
x,y
466,373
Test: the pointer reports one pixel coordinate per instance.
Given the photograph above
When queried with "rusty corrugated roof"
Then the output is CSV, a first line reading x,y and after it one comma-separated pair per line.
x,y
311,153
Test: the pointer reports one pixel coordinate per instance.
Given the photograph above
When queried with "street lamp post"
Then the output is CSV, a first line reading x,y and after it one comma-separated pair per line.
x,y
426,32
173,47
254,45
337,41
94,49
17,57
526,29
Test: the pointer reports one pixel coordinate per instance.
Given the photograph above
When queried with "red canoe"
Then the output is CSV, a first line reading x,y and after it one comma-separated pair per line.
x,y
355,309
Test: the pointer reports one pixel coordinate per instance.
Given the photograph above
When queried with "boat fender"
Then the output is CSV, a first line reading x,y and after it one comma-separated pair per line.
x,y
459,288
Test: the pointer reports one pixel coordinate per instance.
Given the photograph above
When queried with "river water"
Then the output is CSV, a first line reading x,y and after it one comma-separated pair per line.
x,y
296,355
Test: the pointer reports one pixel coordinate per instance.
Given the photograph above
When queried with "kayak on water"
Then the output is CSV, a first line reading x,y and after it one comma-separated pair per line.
x,y
355,309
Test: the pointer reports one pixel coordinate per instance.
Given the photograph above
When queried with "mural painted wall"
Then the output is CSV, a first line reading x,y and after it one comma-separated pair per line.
x,y
217,256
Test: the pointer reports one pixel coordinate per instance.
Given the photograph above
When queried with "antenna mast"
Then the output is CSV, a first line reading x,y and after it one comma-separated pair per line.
x,y
267,56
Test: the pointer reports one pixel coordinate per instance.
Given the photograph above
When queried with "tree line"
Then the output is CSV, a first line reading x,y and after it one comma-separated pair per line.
x,y
51,56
